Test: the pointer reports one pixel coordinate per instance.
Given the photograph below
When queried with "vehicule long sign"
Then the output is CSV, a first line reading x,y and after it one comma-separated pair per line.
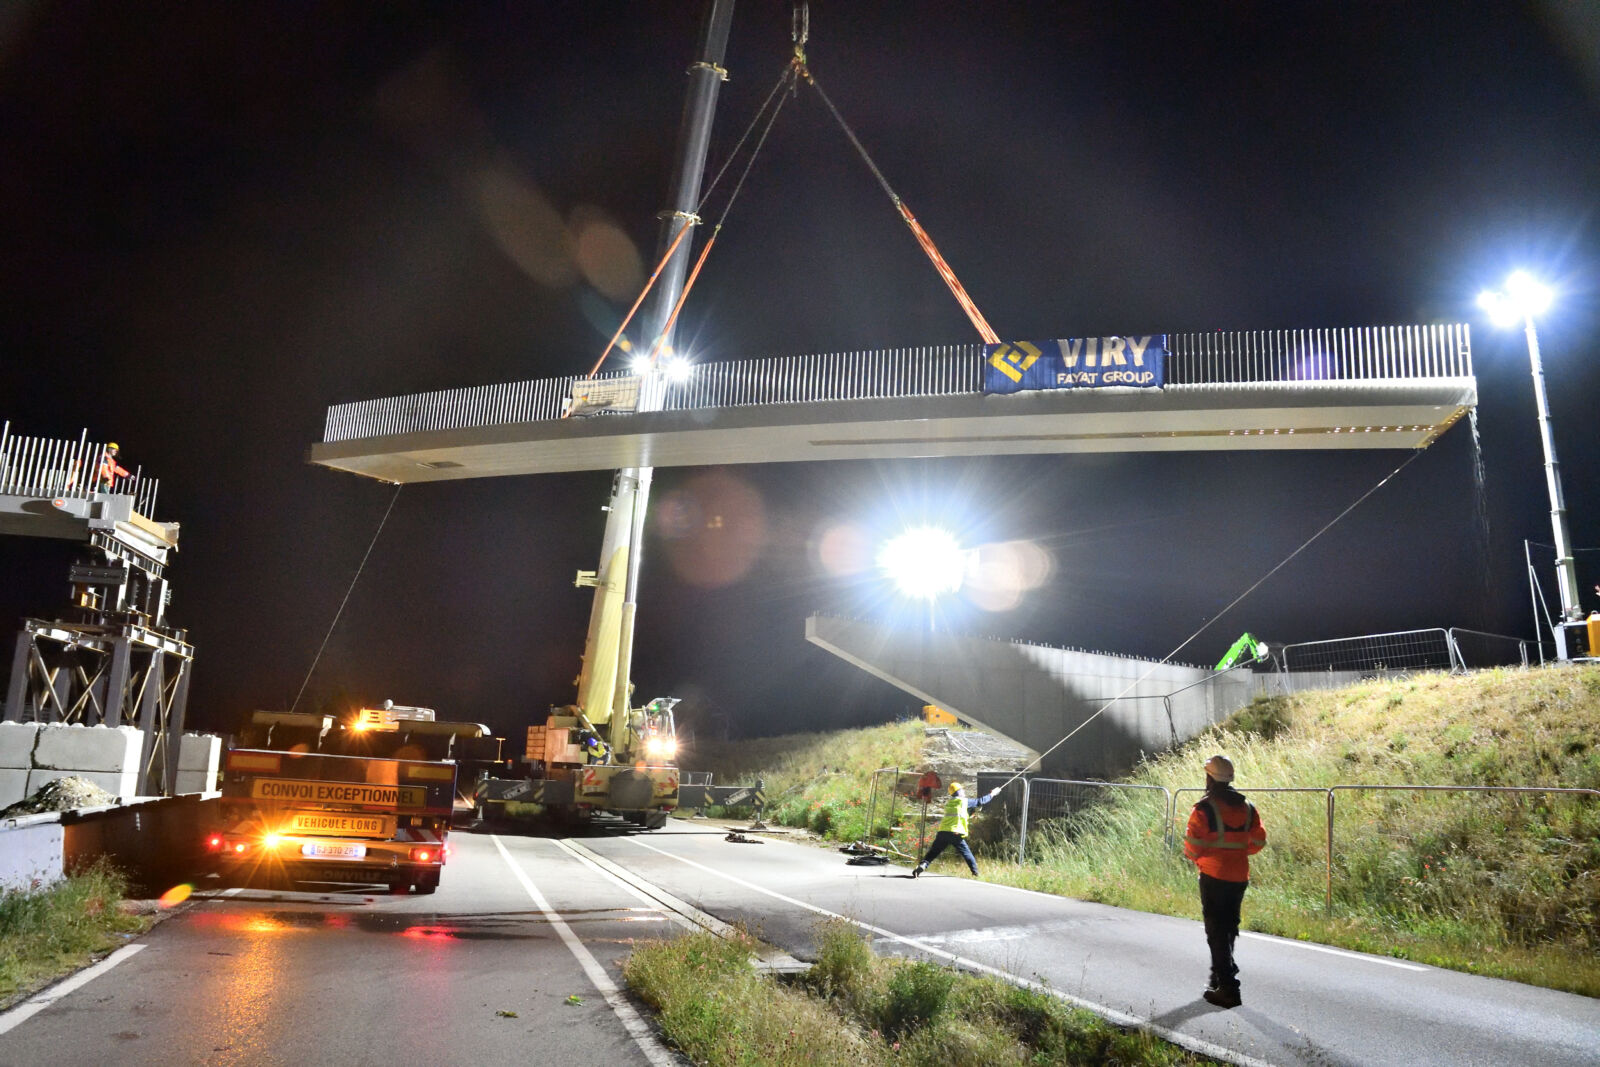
x,y
1076,363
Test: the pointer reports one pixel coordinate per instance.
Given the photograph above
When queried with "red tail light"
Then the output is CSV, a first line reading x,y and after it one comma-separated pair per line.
x,y
422,855
214,843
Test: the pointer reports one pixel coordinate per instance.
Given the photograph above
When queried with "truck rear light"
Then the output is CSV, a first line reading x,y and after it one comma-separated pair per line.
x,y
240,847
214,843
422,855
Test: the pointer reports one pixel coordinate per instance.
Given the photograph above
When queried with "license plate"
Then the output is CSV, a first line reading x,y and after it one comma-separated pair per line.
x,y
343,852
339,824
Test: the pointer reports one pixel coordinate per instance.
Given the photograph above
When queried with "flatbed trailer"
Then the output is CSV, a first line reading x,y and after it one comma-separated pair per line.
x,y
316,817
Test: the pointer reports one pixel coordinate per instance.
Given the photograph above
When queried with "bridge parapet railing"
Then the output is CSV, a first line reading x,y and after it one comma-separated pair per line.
x,y
1221,358
67,469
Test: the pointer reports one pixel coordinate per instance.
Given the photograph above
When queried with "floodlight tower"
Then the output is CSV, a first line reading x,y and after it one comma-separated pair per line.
x,y
1522,299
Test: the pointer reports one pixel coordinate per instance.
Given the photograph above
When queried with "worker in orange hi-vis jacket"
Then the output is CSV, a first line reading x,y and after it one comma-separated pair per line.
x,y
110,469
1224,832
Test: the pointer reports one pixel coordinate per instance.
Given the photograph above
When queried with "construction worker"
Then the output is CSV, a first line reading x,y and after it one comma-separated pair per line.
x,y
110,469
1224,832
953,828
596,750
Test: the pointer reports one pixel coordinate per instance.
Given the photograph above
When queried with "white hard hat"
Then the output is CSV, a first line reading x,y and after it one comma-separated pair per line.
x,y
1220,768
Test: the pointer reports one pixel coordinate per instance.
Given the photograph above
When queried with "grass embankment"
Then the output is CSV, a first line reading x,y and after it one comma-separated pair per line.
x,y
852,1008
1499,885
49,932
819,782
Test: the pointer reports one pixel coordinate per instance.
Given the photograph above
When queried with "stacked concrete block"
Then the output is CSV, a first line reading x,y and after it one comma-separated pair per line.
x,y
16,759
108,756
199,756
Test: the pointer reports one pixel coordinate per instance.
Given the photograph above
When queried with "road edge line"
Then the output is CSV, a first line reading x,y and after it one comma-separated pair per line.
x,y
641,1032
15,1017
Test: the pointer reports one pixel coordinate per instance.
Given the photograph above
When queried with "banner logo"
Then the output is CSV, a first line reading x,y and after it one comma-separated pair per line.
x,y
1130,361
1013,360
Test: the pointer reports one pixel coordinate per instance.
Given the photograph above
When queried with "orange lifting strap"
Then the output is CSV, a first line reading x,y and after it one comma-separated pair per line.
x,y
980,323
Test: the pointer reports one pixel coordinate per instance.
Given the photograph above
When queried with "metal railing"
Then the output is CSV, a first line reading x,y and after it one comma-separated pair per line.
x,y
1329,792
1238,358
60,468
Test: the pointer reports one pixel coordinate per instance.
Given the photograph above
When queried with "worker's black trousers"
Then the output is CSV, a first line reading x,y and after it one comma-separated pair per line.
x,y
946,838
1219,903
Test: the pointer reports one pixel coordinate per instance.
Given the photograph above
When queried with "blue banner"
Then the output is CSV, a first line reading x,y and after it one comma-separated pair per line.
x,y
1076,363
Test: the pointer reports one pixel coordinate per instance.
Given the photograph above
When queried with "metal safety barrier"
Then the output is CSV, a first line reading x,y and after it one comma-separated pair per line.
x,y
1222,358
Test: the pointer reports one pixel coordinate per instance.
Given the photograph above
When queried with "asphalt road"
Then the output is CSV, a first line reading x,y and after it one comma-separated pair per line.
x,y
523,924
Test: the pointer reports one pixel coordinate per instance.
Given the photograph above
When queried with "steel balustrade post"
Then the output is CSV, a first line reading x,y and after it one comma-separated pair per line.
x,y
1328,862
1022,833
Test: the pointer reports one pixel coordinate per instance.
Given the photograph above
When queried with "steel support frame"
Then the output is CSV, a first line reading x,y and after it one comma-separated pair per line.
x,y
106,675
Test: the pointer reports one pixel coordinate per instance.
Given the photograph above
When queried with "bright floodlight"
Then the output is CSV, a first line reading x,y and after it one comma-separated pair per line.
x,y
1523,298
924,562
640,365
677,369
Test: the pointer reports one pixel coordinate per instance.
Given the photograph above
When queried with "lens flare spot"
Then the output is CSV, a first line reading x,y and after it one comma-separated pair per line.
x,y
714,527
175,896
843,549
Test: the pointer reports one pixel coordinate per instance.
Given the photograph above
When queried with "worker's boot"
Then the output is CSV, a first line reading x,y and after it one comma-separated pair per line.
x,y
916,872
1223,997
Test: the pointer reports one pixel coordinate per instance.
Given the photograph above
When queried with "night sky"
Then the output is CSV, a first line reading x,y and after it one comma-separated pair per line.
x,y
217,219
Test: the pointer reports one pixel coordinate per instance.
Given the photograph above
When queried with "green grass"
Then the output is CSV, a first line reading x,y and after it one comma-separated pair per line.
x,y
818,782
51,931
1502,886
852,1008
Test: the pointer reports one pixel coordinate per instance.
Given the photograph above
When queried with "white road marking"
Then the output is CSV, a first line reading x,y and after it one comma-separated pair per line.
x,y
1194,1044
1363,957
637,1028
681,912
46,997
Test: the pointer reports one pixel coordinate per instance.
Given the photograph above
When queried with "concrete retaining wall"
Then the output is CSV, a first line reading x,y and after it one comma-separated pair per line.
x,y
158,843
1036,695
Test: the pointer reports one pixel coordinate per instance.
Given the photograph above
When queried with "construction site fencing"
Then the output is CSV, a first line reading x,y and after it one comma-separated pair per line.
x,y
66,469
1456,650
1423,853
1306,358
1053,803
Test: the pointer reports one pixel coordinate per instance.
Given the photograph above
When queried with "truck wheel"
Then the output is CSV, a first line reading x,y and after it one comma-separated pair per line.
x,y
399,887
428,884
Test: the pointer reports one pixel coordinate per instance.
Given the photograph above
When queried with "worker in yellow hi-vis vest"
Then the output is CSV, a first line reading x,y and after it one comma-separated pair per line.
x,y
953,828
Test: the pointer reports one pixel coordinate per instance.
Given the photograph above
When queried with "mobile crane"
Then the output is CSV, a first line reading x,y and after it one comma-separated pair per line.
x,y
601,753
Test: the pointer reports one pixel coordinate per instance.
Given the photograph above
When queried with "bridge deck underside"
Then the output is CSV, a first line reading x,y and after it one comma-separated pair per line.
x,y
1370,414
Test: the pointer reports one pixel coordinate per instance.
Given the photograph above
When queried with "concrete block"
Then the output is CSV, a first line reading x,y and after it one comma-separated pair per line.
x,y
121,784
16,744
199,752
195,782
13,785
87,748
31,853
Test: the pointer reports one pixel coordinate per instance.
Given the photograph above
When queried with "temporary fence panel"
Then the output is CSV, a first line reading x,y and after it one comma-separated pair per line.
x,y
1376,654
1421,860
1050,804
